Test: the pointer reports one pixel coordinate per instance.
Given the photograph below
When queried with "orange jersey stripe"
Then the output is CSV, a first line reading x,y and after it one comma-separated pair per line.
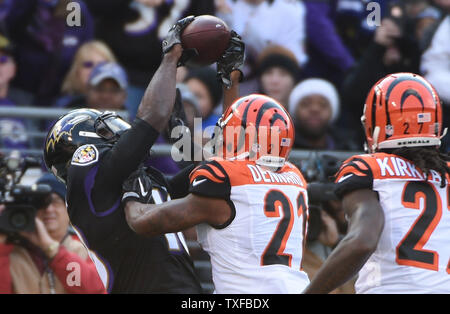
x,y
242,172
385,166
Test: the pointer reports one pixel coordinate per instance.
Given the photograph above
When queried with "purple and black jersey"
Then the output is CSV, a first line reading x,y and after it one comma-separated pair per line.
x,y
127,262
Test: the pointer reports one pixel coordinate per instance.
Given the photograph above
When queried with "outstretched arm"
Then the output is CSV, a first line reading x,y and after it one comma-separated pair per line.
x,y
230,95
153,115
176,215
158,101
229,69
365,227
159,97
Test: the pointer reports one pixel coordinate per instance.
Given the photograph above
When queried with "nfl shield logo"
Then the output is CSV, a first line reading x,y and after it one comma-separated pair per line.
x,y
389,130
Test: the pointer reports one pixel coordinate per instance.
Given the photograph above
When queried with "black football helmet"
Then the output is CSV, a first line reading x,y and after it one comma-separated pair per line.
x,y
77,128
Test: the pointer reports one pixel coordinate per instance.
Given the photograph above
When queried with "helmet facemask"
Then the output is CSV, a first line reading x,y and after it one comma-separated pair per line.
x,y
75,129
109,126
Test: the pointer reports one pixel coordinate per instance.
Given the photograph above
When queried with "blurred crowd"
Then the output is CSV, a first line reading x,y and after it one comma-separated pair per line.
x,y
318,58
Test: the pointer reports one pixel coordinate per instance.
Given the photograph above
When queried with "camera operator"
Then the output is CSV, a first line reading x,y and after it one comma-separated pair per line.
x,y
50,259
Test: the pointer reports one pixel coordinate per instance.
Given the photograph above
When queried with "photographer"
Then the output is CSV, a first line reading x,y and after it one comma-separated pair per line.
x,y
50,259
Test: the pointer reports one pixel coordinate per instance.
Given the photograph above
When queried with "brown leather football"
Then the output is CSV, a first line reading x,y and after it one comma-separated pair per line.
x,y
209,35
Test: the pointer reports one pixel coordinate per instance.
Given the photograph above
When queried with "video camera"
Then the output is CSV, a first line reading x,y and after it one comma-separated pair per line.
x,y
19,200
317,171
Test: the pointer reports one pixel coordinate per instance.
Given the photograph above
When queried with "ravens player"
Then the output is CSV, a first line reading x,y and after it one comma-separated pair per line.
x,y
93,153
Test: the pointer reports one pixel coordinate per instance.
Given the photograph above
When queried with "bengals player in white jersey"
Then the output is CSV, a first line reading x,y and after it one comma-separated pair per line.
x,y
396,198
249,204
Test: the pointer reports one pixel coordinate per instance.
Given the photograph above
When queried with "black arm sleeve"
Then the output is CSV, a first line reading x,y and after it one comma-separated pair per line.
x,y
130,150
123,159
179,183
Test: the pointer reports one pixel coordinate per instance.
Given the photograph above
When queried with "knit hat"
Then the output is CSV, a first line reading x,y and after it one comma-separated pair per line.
x,y
278,56
279,60
315,86
208,77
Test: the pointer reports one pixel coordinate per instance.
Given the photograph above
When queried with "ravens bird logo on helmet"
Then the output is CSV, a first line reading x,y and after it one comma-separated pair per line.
x,y
77,128
61,129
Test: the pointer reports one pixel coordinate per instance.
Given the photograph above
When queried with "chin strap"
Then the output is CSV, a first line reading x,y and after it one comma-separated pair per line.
x,y
444,133
376,134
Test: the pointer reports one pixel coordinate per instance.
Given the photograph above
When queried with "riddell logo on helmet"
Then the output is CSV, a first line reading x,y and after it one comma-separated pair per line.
x,y
411,142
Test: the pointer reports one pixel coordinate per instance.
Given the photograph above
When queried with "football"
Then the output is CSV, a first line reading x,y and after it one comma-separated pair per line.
x,y
209,35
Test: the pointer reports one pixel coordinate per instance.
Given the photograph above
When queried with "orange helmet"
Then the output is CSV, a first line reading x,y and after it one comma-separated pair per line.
x,y
402,110
256,127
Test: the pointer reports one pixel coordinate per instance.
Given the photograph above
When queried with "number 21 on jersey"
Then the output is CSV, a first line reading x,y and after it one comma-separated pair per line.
x,y
277,204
